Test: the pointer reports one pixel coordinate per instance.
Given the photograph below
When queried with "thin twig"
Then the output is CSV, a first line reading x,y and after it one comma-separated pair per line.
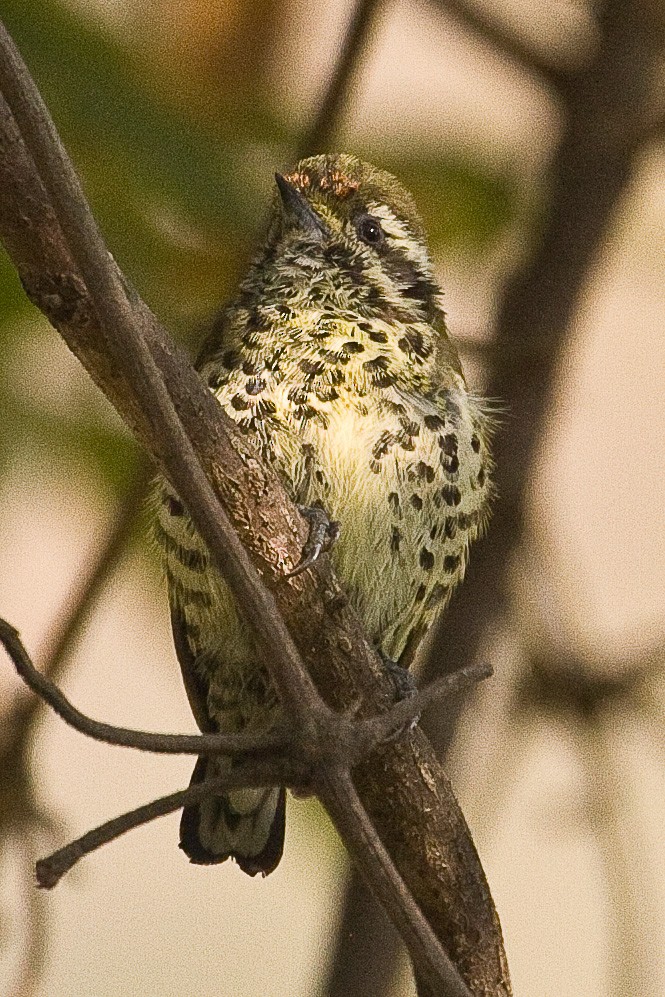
x,y
381,727
353,739
245,776
234,743
336,97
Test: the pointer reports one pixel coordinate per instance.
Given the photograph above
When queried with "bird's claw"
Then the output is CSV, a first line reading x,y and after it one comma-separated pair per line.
x,y
323,533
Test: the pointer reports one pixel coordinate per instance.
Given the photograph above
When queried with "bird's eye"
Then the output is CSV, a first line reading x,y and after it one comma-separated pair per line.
x,y
369,230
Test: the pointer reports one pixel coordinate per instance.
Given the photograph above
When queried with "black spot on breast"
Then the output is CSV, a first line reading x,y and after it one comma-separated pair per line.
x,y
451,563
217,380
298,396
448,444
433,532
421,593
353,347
410,427
272,362
425,471
393,501
239,403
404,345
255,386
385,441
416,502
312,368
406,441
417,344
175,507
376,365
475,443
449,461
395,539
434,422
375,334
437,595
450,527
450,464
249,367
451,495
250,339
265,407
426,559
467,519
306,412
481,477
327,394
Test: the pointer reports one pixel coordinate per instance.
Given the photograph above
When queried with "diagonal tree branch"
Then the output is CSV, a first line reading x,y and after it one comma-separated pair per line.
x,y
84,299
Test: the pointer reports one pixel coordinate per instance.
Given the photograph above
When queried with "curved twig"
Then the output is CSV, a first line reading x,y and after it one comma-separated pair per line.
x,y
242,742
248,775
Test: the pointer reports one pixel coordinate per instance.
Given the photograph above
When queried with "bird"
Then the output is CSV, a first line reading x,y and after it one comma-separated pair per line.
x,y
334,357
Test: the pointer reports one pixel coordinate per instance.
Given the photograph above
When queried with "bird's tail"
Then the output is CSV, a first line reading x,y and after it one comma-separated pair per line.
x,y
246,825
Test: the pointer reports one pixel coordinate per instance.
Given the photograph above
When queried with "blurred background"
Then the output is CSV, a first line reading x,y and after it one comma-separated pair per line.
x,y
533,138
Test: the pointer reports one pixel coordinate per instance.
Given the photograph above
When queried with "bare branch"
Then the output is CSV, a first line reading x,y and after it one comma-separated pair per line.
x,y
375,864
407,711
247,775
241,742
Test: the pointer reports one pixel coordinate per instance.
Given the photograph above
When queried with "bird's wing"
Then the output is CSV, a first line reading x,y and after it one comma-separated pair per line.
x,y
195,684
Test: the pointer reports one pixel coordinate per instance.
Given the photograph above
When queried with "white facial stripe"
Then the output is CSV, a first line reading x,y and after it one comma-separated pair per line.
x,y
398,231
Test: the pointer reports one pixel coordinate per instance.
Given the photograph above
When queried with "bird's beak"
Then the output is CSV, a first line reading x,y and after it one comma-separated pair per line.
x,y
298,210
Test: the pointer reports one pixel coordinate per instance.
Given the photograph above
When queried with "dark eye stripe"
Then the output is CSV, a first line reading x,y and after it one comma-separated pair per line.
x,y
406,272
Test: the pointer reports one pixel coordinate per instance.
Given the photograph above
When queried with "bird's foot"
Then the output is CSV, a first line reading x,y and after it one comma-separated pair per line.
x,y
323,532
405,688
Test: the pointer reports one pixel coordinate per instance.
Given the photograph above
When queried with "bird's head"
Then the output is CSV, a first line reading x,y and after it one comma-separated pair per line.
x,y
334,211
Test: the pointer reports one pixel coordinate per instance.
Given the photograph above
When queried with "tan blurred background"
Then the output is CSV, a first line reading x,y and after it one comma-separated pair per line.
x,y
177,116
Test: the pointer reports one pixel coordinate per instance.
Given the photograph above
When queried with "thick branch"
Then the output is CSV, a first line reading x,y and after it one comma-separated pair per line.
x,y
425,835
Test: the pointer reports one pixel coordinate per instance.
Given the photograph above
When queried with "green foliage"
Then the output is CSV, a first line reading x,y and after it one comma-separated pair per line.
x,y
180,203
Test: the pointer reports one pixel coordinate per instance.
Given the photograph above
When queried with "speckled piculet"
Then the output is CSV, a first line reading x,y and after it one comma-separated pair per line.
x,y
335,357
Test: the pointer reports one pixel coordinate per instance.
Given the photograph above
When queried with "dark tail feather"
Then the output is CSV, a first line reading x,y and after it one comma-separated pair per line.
x,y
246,825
